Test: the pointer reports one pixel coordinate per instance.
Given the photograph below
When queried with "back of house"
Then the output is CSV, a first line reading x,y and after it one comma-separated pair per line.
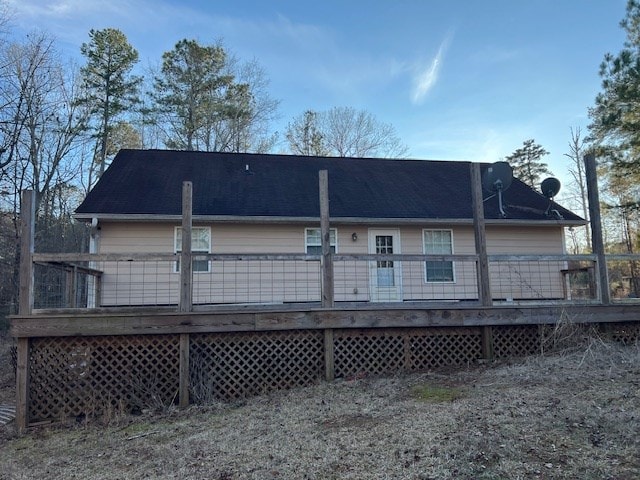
x,y
256,227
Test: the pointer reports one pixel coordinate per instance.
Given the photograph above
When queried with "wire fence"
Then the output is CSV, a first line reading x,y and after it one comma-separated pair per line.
x,y
154,280
543,278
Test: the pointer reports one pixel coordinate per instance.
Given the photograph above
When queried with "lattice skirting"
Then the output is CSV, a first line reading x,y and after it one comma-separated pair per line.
x,y
234,365
625,333
516,340
377,351
78,376
85,376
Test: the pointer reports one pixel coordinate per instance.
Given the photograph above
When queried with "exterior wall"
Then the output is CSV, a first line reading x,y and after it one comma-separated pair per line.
x,y
526,279
157,283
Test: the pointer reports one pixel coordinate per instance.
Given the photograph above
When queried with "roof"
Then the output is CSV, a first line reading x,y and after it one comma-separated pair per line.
x,y
148,183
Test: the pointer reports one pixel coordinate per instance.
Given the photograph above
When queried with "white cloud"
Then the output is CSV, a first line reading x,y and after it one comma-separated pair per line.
x,y
427,75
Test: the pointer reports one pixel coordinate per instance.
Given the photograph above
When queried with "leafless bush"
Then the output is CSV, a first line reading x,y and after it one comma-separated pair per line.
x,y
147,394
201,382
567,335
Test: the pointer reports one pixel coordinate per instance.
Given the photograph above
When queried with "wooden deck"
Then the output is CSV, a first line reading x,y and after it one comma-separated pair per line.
x,y
267,318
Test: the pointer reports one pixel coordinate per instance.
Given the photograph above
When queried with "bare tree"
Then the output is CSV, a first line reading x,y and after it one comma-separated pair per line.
x,y
345,132
357,133
250,124
304,136
42,126
577,150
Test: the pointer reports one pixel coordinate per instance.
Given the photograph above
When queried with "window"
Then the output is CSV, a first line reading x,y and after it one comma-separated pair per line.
x,y
438,242
384,268
200,243
313,241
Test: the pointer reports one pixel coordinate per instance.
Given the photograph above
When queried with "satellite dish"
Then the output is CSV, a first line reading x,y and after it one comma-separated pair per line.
x,y
496,179
498,176
550,187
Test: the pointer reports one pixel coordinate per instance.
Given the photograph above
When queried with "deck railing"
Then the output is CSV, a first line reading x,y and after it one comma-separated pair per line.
x,y
63,281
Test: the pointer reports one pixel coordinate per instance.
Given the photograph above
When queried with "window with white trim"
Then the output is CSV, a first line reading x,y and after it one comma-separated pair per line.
x,y
313,241
438,242
200,243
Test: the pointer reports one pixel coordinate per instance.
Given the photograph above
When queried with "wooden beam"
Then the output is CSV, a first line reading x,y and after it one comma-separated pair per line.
x,y
27,235
62,259
597,241
314,319
68,267
480,236
184,370
22,384
325,232
186,277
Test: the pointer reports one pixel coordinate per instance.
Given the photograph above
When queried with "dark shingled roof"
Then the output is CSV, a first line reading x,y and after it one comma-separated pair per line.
x,y
149,182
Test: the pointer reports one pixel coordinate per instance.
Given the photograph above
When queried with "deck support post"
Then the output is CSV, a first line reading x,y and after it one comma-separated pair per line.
x,y
184,370
25,306
325,232
329,365
487,342
482,266
597,242
22,384
186,278
27,235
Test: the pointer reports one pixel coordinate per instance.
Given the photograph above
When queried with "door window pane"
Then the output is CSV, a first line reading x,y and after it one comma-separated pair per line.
x,y
384,246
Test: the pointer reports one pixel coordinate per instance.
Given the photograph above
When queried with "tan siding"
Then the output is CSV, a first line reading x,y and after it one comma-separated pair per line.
x,y
136,238
526,280
524,240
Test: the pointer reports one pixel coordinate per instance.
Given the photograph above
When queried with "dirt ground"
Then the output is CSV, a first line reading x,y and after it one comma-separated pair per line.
x,y
574,414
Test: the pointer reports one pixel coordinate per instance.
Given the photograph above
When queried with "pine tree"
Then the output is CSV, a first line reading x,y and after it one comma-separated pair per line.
x,y
191,90
526,163
615,126
111,89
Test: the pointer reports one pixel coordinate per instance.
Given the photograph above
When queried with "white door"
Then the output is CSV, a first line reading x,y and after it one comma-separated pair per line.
x,y
385,276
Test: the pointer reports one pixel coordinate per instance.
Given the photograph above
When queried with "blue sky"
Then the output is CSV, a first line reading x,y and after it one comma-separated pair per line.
x,y
459,80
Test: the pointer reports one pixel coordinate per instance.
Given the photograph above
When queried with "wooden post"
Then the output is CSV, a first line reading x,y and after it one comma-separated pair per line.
x,y
327,258
27,235
22,384
487,342
482,270
73,295
329,366
98,291
69,288
25,305
186,278
597,242
184,370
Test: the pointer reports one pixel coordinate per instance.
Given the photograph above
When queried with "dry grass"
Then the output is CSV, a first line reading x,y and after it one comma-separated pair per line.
x,y
563,416
7,371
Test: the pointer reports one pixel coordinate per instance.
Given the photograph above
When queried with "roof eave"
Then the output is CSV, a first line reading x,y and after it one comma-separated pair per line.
x,y
306,220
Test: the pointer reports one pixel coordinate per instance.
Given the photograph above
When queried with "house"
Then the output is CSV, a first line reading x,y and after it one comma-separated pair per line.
x,y
269,204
